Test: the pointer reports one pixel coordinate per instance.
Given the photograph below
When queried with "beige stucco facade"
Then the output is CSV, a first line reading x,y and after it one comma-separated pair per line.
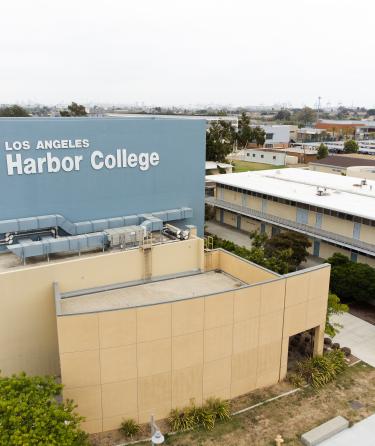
x,y
28,333
146,359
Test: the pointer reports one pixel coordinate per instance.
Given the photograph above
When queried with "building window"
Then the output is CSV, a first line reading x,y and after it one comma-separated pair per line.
x,y
253,155
269,135
262,156
274,157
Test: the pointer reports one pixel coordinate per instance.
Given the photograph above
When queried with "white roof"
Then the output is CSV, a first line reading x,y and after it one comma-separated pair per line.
x,y
344,194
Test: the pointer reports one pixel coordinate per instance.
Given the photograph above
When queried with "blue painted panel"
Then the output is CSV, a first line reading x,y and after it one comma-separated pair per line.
x,y
302,216
318,220
238,221
89,194
316,249
353,256
357,230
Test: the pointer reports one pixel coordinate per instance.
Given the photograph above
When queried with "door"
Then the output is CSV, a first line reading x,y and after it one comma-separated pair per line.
x,y
221,193
238,221
221,215
353,256
302,216
316,249
262,228
244,200
357,230
318,220
264,205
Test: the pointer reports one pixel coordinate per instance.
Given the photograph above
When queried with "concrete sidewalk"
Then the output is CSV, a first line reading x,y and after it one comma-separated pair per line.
x,y
357,334
226,233
361,434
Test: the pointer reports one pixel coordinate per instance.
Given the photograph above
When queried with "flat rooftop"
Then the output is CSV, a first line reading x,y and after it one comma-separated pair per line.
x,y
344,193
167,290
346,161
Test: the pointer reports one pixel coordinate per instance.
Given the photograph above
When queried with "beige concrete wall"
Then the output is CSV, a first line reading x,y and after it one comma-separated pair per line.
x,y
143,361
243,270
249,225
28,337
230,219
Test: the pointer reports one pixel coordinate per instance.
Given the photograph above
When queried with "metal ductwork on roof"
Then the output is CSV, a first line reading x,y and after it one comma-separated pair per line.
x,y
156,220
87,235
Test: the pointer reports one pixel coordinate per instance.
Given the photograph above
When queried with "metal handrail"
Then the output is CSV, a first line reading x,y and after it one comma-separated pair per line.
x,y
299,227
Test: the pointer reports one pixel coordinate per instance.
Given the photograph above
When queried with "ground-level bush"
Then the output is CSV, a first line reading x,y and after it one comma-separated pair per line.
x,y
193,417
130,427
319,370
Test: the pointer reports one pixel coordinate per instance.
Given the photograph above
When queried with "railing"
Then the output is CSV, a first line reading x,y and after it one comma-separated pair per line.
x,y
332,237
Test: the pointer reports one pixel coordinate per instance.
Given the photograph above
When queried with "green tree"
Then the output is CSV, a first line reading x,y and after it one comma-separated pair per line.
x,y
259,135
350,146
351,280
283,115
30,413
287,240
13,111
245,132
334,307
219,141
371,112
322,151
74,109
306,115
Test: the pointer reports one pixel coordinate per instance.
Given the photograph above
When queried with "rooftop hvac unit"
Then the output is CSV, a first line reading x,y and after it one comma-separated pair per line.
x,y
120,237
321,191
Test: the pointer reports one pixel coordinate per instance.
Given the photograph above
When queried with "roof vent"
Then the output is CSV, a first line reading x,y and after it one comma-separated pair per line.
x,y
321,191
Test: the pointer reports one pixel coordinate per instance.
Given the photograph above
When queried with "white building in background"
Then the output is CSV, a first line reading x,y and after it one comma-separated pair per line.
x,y
278,135
266,156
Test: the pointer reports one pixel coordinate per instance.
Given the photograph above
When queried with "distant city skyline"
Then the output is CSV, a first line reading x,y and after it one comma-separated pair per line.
x,y
169,53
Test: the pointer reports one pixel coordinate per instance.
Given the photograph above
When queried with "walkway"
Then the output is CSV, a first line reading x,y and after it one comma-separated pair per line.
x,y
227,233
357,334
361,434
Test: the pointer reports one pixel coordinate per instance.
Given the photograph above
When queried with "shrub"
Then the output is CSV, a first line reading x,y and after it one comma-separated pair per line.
x,y
320,370
296,380
31,413
203,417
347,351
220,408
193,417
328,341
130,427
182,420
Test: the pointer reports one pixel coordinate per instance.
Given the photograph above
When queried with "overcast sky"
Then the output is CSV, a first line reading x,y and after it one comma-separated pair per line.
x,y
173,52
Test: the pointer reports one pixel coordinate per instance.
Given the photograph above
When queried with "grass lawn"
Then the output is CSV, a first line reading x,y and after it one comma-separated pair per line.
x,y
292,415
245,166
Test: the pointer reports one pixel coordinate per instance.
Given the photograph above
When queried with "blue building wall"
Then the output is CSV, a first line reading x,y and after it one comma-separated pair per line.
x,y
177,180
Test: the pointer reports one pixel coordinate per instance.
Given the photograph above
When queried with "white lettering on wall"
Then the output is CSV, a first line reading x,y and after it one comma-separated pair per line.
x,y
16,164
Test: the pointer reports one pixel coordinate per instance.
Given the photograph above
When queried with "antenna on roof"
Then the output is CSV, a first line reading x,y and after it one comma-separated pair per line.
x,y
318,112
